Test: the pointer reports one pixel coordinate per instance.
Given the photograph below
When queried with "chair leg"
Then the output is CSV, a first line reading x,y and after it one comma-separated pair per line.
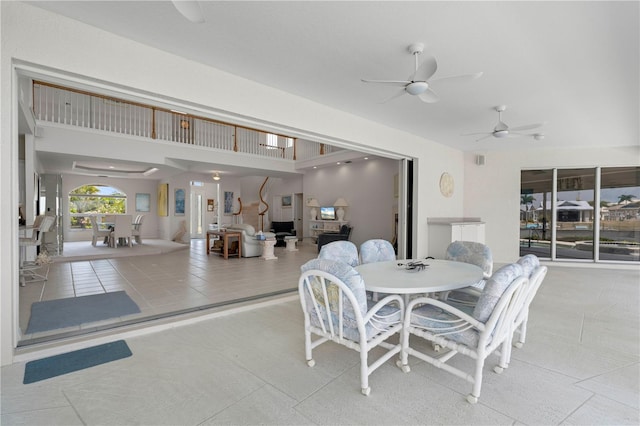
x,y
364,372
477,382
522,335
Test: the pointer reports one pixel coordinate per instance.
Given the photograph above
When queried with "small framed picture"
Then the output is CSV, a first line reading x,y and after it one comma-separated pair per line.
x,y
286,201
210,204
143,202
179,202
228,202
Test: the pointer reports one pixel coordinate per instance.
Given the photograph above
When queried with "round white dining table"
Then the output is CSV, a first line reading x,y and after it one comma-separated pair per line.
x,y
439,275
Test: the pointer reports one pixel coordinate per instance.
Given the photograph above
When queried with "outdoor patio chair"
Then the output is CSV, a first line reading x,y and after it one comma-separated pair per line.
x,y
336,309
536,274
476,254
475,334
344,251
376,250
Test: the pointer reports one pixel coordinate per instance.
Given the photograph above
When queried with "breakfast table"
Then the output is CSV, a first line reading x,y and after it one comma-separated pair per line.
x,y
397,276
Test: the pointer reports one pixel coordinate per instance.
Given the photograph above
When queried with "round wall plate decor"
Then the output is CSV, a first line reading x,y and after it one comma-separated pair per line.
x,y
446,184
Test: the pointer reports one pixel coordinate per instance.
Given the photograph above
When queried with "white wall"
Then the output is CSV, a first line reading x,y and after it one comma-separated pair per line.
x,y
131,187
368,188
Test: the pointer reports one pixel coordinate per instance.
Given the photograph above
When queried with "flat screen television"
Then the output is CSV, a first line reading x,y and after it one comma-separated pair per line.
x,y
328,213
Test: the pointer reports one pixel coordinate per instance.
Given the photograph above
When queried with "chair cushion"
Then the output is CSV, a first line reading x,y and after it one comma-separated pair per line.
x,y
493,289
430,317
387,316
245,227
529,263
344,251
471,252
377,251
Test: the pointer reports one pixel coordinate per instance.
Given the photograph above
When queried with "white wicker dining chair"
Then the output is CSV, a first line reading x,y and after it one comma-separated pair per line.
x,y
344,251
476,254
336,309
376,250
536,274
475,335
136,228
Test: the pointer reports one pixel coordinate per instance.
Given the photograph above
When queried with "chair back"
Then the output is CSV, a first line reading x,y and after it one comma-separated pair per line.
x,y
471,252
44,224
122,226
535,280
344,251
499,325
333,298
376,251
494,289
137,223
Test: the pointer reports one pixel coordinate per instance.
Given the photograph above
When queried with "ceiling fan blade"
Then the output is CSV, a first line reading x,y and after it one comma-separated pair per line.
x,y
425,71
396,95
485,137
429,96
476,134
527,127
458,78
388,82
190,9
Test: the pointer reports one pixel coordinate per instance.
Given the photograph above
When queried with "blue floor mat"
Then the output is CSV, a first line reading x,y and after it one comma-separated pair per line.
x,y
58,365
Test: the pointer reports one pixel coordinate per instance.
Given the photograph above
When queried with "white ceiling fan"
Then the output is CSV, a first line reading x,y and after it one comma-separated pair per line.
x,y
190,9
418,83
503,131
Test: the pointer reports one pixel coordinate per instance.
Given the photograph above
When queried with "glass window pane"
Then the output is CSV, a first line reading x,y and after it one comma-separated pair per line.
x,y
620,215
535,212
575,213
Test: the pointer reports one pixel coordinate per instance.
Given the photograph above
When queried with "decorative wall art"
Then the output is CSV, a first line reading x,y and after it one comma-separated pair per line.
x,y
286,201
143,202
179,202
163,199
228,202
210,204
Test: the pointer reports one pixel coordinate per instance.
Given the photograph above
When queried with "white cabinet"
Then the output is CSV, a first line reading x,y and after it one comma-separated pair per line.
x,y
444,231
319,226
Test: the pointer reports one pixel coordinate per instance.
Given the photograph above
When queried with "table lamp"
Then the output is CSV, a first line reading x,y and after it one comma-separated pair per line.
x,y
340,203
313,203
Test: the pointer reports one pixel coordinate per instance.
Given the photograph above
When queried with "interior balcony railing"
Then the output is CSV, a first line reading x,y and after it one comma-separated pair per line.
x,y
68,106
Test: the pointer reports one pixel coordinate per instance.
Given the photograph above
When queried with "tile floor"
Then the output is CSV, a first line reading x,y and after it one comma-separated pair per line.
x,y
176,280
580,365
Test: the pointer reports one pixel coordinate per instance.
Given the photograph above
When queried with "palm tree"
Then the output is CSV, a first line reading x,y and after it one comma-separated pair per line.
x,y
623,198
526,199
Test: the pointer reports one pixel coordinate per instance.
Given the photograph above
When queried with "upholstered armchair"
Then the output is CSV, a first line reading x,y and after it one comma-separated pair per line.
x,y
328,237
251,247
281,230
336,309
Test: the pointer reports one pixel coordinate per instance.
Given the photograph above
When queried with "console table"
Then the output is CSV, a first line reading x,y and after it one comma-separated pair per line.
x,y
225,236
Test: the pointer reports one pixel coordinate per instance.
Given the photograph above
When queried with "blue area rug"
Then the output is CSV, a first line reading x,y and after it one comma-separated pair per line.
x,y
61,364
73,311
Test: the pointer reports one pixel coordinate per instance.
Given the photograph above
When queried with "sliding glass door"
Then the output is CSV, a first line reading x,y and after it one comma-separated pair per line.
x,y
563,211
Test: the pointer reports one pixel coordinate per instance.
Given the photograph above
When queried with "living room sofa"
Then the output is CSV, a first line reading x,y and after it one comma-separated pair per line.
x,y
281,230
251,247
